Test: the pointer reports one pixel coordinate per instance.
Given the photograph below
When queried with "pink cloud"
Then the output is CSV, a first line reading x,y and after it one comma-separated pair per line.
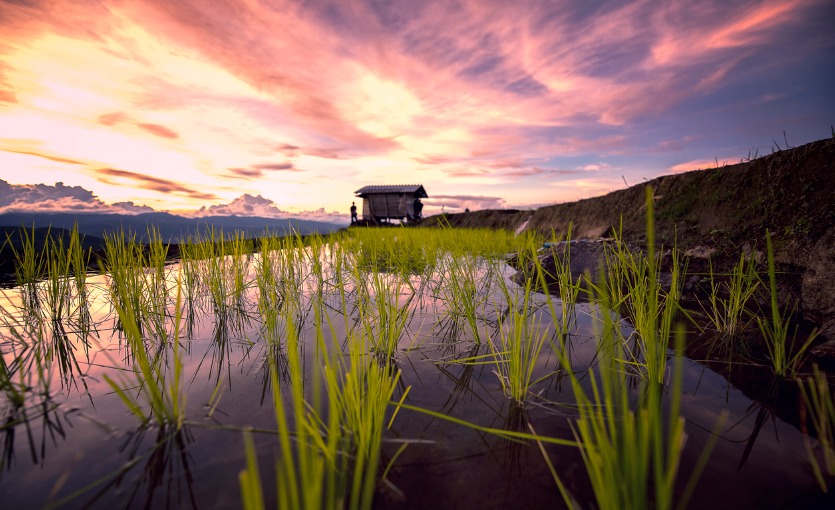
x,y
284,166
158,130
467,172
257,170
44,155
58,198
436,160
130,207
62,198
115,118
7,91
245,173
152,183
245,205
471,90
535,66
294,151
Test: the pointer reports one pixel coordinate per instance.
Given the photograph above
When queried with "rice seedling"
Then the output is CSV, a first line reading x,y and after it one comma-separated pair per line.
x,y
329,450
270,291
518,341
630,448
250,478
47,313
153,280
469,267
624,451
161,392
309,461
79,264
634,282
384,314
190,274
401,251
375,294
362,389
318,277
29,268
776,332
123,265
293,279
240,259
727,303
155,260
57,284
332,405
817,405
568,288
463,290
216,270
220,265
631,454
522,339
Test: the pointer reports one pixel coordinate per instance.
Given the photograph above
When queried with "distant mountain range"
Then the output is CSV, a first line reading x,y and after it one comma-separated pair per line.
x,y
171,227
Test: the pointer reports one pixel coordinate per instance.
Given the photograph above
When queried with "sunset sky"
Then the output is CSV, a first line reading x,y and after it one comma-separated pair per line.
x,y
278,108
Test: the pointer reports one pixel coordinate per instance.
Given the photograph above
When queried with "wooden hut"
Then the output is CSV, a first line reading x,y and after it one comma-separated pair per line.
x,y
387,202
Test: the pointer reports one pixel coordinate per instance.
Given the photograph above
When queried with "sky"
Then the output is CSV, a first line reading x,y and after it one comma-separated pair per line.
x,y
266,107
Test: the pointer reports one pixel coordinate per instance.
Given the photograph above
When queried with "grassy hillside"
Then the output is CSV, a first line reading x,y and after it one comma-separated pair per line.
x,y
724,211
789,192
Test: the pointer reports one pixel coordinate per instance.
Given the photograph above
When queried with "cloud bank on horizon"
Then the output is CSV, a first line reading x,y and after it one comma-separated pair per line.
x,y
282,107
62,198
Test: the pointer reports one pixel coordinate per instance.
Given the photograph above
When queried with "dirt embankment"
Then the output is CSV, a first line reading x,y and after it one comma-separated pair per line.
x,y
723,211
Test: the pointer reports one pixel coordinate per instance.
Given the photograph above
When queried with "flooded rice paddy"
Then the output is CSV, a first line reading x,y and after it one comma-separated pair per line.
x,y
80,431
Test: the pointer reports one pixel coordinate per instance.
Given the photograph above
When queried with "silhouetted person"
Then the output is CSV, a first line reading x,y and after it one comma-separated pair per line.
x,y
418,206
353,213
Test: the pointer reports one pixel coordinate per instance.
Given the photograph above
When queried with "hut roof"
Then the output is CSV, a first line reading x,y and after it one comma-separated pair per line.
x,y
417,189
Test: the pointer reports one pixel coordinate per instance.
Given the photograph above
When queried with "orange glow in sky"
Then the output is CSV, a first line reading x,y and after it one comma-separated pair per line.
x,y
292,106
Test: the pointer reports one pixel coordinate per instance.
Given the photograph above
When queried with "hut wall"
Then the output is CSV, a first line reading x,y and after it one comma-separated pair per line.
x,y
388,205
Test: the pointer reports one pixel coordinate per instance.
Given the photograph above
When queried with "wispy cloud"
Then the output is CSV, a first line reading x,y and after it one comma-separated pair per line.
x,y
57,159
158,130
114,118
293,151
152,183
595,167
288,96
245,173
286,166
259,169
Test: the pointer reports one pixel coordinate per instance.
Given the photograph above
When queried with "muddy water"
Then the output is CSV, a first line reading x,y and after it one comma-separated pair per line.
x,y
76,445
